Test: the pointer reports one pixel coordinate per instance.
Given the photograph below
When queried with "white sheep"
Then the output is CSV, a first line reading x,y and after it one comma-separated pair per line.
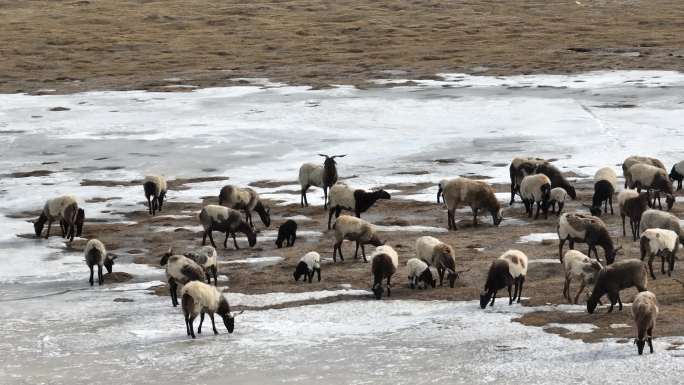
x,y
634,159
536,189
199,298
96,254
343,197
677,173
354,229
506,271
180,270
206,257
384,263
645,312
579,266
225,220
324,176
576,227
659,242
652,219
309,264
65,211
420,274
155,192
476,194
246,199
558,196
655,179
519,168
605,185
440,255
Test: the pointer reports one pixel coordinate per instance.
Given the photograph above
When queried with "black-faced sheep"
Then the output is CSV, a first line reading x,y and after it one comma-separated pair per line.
x,y
155,192
309,264
558,196
645,312
579,266
508,270
440,255
618,276
660,242
556,177
342,197
287,232
634,159
384,263
421,274
225,220
325,176
654,179
605,184
575,227
656,219
632,205
519,168
245,199
476,194
206,257
677,173
96,254
354,229
536,189
180,270
199,298
62,209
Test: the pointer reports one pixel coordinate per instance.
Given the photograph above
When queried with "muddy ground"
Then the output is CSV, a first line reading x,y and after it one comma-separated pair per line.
x,y
80,45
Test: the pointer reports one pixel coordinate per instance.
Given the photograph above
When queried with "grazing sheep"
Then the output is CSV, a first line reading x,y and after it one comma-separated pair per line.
x,y
575,227
206,257
634,159
354,229
556,177
223,219
577,265
559,196
325,176
384,263
652,178
419,273
342,197
677,173
287,232
245,199
180,270
633,205
536,189
645,312
618,276
663,243
62,209
519,168
508,270
309,264
440,255
605,185
476,194
199,298
96,254
656,219
155,191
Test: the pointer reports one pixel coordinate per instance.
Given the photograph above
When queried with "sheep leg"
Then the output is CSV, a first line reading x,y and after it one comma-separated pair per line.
x,y
187,324
214,272
449,214
191,325
623,225
149,207
234,240
363,252
213,325
325,197
440,271
291,240
356,252
493,298
610,200
650,264
572,244
662,262
309,275
566,286
579,292
619,301
172,290
650,338
510,298
412,282
91,276
211,238
100,279
475,217
204,238
612,297
389,292
560,249
512,195
199,328
522,281
48,229
330,214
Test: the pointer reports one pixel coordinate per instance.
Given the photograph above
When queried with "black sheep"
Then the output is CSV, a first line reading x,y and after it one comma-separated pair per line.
x,y
287,232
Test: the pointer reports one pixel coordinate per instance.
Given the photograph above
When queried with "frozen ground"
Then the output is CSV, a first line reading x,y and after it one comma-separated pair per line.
x,y
57,330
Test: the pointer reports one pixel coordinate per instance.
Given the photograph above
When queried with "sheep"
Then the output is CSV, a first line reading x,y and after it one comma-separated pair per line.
x,y
652,219
206,257
556,177
677,174
342,197
419,272
64,210
536,189
660,242
354,229
632,204
384,263
634,159
618,276
645,312
96,254
199,298
605,185
519,168
508,270
245,199
578,265
440,255
180,270
478,195
652,178
224,219
309,264
325,176
287,232
575,227
155,191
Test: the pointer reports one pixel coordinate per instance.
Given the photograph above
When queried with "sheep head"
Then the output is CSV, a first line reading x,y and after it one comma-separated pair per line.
x,y
377,290
109,262
485,297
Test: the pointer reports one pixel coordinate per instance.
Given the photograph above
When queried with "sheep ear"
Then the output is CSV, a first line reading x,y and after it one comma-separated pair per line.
x,y
323,155
338,156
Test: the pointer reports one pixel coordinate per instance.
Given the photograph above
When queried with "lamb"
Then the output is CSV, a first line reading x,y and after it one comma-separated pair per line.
x,y
155,192
206,257
309,264
96,254
632,205
384,263
634,159
420,273
652,178
605,185
660,242
287,232
578,265
618,276
536,189
558,196
245,199
223,219
180,270
200,298
478,195
440,255
575,227
64,210
508,270
677,173
342,197
519,168
325,176
645,312
354,229
652,219
556,177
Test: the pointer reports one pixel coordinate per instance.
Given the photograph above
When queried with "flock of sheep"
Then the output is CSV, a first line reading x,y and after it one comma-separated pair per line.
x,y
538,183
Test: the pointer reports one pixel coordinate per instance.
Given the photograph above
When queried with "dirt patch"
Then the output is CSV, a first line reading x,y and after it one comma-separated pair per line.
x,y
28,174
272,183
117,276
